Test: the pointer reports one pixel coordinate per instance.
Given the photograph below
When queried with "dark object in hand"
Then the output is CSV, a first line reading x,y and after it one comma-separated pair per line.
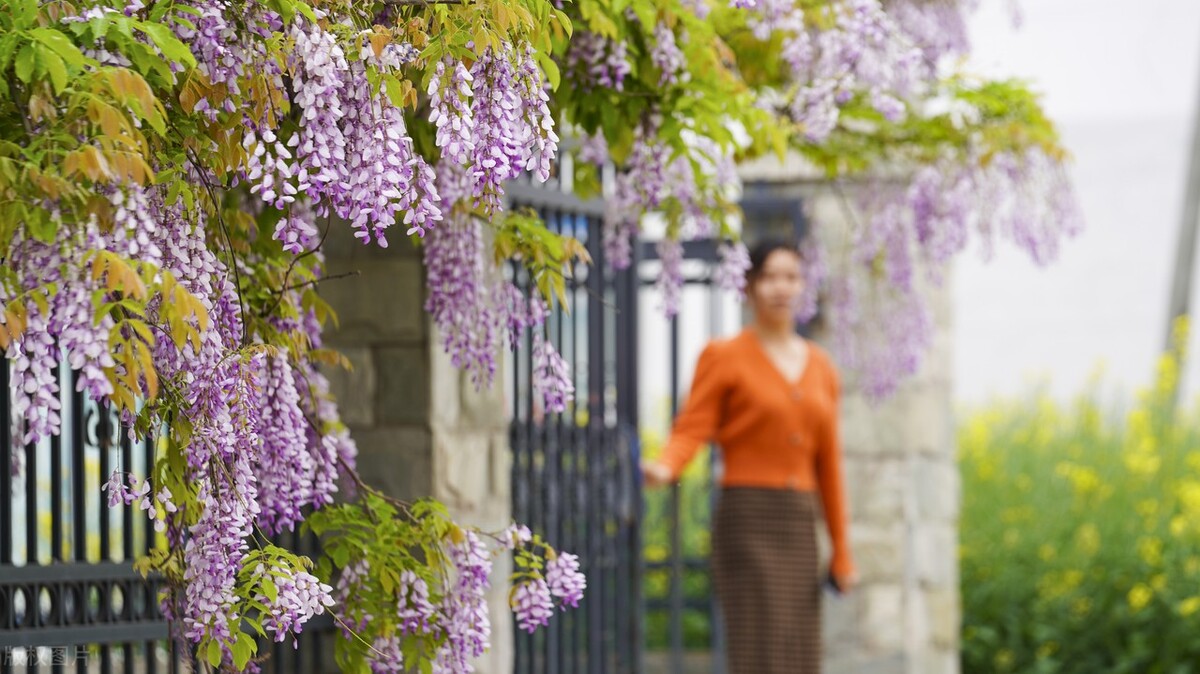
x,y
831,584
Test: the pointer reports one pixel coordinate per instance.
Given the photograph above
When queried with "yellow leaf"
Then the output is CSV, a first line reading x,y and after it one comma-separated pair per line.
x,y
4,338
148,372
378,42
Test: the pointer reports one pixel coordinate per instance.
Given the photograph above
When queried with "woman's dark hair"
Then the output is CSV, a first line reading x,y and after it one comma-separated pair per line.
x,y
762,250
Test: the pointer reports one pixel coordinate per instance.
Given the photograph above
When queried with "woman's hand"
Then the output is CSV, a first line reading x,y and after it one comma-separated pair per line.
x,y
845,584
654,474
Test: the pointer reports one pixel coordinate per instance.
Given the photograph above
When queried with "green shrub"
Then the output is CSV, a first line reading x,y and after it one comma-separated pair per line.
x,y
1080,536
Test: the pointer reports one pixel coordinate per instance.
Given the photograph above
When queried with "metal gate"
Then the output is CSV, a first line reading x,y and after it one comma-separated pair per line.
x,y
70,598
574,474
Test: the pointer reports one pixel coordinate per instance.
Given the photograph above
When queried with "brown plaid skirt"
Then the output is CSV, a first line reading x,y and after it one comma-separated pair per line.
x,y
767,579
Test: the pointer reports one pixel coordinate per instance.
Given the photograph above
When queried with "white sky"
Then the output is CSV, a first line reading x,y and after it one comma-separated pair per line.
x,y
1120,79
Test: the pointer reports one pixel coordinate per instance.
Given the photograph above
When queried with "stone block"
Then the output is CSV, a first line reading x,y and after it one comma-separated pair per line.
x,y
445,382
917,419
461,464
877,488
939,489
396,460
935,548
382,304
944,606
500,455
354,389
483,408
879,551
937,661
840,618
883,618
893,663
464,472
402,396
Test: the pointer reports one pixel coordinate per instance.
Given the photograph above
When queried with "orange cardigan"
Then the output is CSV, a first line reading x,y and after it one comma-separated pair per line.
x,y
773,433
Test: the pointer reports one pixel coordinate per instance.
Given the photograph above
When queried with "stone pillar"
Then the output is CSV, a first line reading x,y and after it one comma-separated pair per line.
x,y
422,429
903,489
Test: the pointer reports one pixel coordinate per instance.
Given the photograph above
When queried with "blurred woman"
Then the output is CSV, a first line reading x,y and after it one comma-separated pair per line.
x,y
769,398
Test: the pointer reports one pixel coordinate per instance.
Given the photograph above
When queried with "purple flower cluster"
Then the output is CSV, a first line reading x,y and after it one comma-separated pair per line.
x,y
670,277
318,67
565,580
813,267
299,597
593,149
532,604
451,114
390,177
463,611
551,375
866,52
286,470
731,270
666,55
417,615
514,131
458,299
881,325
385,656
642,187
597,61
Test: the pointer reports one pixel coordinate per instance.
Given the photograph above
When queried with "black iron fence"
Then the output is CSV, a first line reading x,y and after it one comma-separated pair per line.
x,y
70,598
575,474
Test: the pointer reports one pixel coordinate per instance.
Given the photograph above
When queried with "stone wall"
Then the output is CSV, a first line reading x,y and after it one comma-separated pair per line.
x,y
422,430
903,488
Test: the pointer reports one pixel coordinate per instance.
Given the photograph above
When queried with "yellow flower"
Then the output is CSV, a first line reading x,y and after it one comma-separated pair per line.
x,y
1084,481
1081,607
1047,649
1178,525
1143,463
1192,565
1139,596
1046,552
1003,659
1188,492
1189,606
1158,582
1087,539
1147,507
1150,550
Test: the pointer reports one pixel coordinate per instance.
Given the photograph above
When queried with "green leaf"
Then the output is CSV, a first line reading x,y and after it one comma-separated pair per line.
x,y
25,63
61,45
54,66
214,653
307,11
170,45
269,590
41,227
550,68
243,649
24,13
395,91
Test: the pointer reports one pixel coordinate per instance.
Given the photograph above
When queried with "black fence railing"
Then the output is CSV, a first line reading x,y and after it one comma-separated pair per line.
x,y
575,474
70,599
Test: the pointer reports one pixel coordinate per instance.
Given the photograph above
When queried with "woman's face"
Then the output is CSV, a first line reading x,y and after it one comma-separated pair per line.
x,y
775,292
